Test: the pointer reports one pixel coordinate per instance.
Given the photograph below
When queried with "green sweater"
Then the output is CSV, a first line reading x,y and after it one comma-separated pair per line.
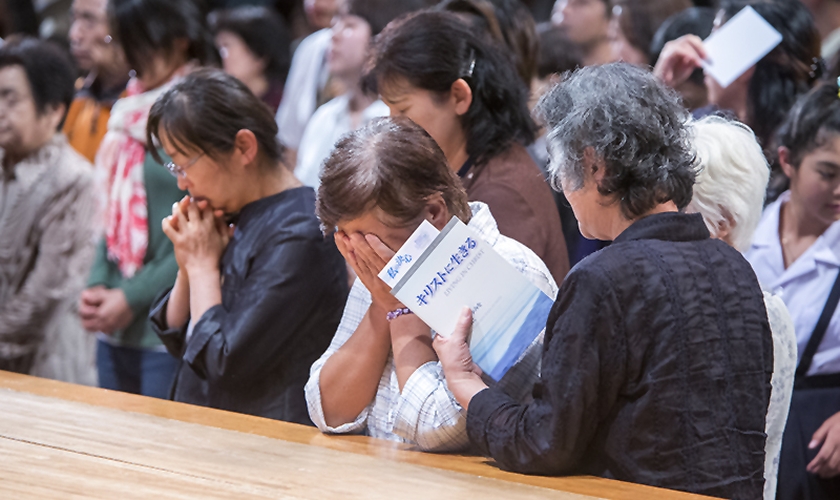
x,y
159,266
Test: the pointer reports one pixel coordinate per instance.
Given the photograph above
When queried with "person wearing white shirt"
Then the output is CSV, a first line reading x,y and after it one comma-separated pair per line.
x,y
380,375
796,254
357,22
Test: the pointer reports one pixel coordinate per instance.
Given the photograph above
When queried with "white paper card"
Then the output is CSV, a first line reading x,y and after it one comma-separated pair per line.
x,y
738,45
408,254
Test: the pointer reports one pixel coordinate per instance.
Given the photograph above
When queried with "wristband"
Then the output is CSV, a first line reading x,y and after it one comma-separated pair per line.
x,y
396,313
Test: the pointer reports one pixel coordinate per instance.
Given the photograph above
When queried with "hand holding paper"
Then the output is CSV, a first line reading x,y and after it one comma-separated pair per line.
x,y
725,55
738,45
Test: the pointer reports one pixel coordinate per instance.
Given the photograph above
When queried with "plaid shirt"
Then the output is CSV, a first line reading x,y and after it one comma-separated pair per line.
x,y
425,413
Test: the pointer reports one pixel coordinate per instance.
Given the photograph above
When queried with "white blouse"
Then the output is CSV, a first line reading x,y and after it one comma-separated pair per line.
x,y
804,286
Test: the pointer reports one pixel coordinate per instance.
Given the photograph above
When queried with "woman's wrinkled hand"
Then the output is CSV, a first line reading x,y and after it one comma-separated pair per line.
x,y
463,376
367,255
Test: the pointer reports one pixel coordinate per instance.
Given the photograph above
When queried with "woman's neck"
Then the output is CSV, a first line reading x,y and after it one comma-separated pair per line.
x,y
275,181
797,230
455,151
598,53
258,85
620,223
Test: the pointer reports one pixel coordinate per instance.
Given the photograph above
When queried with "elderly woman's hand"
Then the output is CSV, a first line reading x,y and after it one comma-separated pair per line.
x,y
679,59
463,376
367,255
198,235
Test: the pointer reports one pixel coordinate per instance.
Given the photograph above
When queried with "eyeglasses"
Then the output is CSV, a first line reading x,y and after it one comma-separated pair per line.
x,y
177,171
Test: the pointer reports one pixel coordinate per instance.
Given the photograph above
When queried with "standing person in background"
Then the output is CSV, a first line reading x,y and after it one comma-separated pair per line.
x,y
796,254
163,41
762,96
466,94
97,53
47,216
255,48
357,22
306,87
587,24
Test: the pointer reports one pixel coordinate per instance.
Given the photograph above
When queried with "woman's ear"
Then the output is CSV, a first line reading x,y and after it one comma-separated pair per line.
x,y
785,161
461,95
245,145
436,211
54,114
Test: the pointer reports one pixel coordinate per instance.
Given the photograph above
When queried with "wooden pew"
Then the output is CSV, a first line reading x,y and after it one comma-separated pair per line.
x,y
60,440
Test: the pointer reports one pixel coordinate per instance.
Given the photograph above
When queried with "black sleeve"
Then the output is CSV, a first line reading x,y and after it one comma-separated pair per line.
x,y
265,313
583,369
173,338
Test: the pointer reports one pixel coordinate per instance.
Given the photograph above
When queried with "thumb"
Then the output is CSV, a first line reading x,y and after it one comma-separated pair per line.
x,y
820,435
463,327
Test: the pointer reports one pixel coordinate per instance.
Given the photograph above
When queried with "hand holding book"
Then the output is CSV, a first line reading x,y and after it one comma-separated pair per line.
x,y
463,376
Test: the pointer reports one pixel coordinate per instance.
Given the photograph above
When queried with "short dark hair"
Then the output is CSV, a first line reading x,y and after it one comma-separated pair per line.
x,y
392,164
262,31
205,110
812,121
49,70
786,72
634,123
508,22
431,50
378,13
148,27
640,19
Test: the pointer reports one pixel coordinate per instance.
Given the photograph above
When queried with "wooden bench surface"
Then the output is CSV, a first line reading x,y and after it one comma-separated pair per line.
x,y
61,440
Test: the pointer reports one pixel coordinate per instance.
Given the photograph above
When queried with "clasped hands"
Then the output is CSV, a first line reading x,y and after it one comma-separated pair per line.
x,y
198,233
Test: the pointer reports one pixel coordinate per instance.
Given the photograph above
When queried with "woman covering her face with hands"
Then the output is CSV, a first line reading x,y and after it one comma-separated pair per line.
x,y
380,375
252,307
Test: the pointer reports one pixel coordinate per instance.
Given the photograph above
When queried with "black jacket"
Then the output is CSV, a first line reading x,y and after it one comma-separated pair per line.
x,y
656,369
283,291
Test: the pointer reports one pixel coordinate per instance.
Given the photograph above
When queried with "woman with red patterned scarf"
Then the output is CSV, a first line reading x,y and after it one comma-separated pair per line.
x,y
163,41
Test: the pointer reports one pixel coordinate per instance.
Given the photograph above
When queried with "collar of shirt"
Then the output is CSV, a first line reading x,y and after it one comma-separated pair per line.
x,y
668,226
483,223
765,253
30,169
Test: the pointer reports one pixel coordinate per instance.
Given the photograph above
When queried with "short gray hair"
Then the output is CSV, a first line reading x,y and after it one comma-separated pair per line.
x,y
634,123
730,187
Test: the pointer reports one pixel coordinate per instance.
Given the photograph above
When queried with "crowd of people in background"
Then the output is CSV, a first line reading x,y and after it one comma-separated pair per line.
x,y
197,197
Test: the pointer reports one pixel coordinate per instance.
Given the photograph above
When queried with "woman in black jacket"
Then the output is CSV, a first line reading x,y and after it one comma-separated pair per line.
x,y
658,354
253,307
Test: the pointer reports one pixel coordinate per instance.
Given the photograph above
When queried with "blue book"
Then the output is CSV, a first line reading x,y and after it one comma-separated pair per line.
x,y
437,275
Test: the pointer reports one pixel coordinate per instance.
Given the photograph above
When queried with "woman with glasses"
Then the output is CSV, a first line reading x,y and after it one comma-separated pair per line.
x,y
163,41
252,308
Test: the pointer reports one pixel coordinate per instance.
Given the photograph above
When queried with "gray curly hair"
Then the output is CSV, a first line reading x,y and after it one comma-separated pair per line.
x,y
634,123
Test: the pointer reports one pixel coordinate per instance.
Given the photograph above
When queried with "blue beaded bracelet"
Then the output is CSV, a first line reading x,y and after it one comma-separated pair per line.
x,y
396,313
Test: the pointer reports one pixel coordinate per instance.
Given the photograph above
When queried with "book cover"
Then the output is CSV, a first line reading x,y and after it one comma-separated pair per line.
x,y
459,269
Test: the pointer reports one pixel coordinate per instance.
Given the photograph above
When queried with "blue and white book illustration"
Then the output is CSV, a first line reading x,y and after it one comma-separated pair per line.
x,y
460,269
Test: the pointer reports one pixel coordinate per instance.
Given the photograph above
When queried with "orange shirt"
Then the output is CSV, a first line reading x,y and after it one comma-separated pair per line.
x,y
86,124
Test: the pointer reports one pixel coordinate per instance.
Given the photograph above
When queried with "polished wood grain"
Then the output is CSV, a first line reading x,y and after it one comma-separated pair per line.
x,y
60,440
